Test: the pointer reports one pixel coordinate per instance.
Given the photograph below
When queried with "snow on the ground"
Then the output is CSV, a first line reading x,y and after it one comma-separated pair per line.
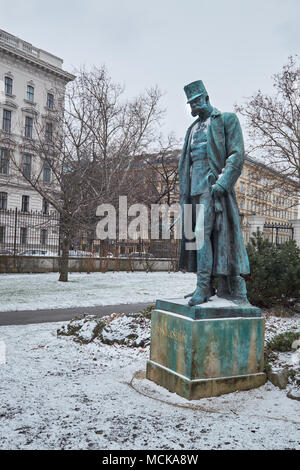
x,y
132,330
58,394
44,291
276,325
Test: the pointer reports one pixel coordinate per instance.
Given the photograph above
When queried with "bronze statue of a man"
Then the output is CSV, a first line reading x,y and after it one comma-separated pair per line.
x,y
210,164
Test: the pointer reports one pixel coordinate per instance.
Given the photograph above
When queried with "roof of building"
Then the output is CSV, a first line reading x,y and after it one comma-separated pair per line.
x,y
23,50
269,169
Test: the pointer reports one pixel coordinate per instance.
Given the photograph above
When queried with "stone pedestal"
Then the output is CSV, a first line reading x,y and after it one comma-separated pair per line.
x,y
206,350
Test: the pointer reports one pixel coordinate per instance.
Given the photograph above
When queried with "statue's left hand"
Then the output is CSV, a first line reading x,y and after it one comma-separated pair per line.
x,y
217,190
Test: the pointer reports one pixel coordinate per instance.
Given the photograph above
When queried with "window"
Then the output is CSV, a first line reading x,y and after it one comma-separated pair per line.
x,y
25,204
49,131
44,237
26,165
46,172
4,161
2,234
8,82
50,101
28,127
6,122
23,235
30,93
3,201
45,208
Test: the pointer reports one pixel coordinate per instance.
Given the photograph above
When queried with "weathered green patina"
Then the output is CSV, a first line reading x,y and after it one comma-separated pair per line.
x,y
211,162
209,347
208,310
187,354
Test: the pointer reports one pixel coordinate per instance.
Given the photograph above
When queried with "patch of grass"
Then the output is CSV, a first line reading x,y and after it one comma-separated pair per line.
x,y
70,331
73,329
283,342
98,329
280,343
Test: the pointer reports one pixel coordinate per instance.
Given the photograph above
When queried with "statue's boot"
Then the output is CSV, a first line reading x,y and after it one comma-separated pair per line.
x,y
190,294
199,297
211,293
203,289
238,288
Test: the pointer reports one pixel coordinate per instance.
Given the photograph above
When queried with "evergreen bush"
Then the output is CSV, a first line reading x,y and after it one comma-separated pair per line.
x,y
275,272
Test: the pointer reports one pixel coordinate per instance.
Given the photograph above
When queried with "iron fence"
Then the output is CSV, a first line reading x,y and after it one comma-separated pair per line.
x,y
278,233
22,232
29,232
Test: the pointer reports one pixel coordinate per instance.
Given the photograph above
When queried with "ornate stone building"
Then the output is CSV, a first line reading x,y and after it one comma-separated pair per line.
x,y
265,197
31,83
266,201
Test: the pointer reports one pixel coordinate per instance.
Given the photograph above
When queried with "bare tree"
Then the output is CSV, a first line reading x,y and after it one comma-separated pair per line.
x,y
89,145
274,127
156,174
119,129
163,169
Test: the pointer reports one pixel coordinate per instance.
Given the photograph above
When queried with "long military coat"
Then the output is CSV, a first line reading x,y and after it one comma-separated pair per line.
x,y
225,152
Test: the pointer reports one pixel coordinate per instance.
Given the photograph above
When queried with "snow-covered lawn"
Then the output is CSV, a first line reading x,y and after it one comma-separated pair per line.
x,y
56,393
44,291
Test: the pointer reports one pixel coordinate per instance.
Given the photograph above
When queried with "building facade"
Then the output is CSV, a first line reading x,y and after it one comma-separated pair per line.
x,y
32,82
263,193
266,201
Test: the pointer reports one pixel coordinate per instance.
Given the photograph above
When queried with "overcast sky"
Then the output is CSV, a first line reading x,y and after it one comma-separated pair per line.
x,y
234,46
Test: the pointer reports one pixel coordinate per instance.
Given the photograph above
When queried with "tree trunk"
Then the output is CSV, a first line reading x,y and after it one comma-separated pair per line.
x,y
64,260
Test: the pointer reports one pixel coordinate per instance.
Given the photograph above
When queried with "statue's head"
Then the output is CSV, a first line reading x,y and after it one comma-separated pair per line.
x,y
198,99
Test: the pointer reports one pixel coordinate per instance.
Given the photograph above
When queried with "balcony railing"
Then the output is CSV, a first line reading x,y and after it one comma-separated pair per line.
x,y
18,44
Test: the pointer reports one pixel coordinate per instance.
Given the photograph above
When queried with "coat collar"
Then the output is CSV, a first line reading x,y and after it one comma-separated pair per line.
x,y
215,113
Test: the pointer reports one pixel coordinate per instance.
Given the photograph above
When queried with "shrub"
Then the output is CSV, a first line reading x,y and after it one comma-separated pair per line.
x,y
275,272
280,343
283,342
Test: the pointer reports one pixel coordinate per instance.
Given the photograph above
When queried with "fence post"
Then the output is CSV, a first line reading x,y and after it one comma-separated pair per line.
x,y
256,223
15,231
277,237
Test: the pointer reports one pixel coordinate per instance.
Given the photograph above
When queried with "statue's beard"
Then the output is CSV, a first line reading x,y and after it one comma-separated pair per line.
x,y
202,112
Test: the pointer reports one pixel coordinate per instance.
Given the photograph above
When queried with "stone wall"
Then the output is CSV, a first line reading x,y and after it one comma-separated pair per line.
x,y
45,264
